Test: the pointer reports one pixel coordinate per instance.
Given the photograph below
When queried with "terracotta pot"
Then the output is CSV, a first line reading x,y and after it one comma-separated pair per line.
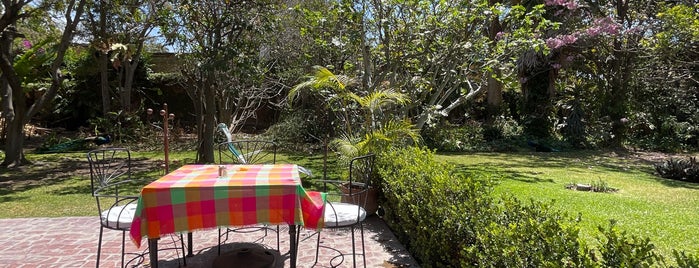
x,y
372,198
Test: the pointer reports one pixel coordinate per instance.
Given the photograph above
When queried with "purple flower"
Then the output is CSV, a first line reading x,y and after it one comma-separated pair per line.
x,y
569,39
499,35
572,5
569,4
26,44
554,43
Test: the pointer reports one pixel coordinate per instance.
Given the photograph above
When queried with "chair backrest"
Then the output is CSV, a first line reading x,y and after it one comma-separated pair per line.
x,y
110,174
109,166
353,193
361,171
247,152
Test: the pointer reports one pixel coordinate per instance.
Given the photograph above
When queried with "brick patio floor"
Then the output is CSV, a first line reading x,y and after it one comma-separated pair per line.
x,y
72,242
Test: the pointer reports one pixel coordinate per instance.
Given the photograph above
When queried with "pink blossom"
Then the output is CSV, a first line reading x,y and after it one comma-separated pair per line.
x,y
603,25
569,39
556,66
569,4
554,43
560,41
499,35
592,31
26,44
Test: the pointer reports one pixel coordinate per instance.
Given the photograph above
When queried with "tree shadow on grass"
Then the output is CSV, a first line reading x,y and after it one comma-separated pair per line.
x,y
54,169
508,165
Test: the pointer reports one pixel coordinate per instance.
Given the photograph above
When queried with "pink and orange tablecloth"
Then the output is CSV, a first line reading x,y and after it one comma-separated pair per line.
x,y
195,197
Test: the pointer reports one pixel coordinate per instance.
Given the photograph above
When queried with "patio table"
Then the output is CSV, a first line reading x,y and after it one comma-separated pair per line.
x,y
196,197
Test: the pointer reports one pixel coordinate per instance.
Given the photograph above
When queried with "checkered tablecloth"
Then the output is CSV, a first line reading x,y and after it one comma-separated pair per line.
x,y
195,197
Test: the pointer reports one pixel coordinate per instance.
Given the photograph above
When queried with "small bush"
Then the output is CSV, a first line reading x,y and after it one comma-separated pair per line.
x,y
619,249
683,259
298,130
452,138
122,126
679,169
448,219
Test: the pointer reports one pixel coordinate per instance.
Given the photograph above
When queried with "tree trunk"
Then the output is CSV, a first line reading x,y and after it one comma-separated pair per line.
x,y
205,153
537,86
103,63
494,99
14,103
619,91
494,96
129,72
14,155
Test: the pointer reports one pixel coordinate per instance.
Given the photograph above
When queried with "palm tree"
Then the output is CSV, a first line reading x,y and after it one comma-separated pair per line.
x,y
377,129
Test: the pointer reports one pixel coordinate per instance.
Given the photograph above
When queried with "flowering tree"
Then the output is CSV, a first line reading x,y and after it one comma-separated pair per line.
x,y
601,42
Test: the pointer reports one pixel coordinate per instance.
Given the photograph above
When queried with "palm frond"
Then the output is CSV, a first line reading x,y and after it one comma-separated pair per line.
x,y
380,98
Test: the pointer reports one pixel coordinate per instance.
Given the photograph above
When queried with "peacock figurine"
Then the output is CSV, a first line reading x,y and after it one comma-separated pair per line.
x,y
75,145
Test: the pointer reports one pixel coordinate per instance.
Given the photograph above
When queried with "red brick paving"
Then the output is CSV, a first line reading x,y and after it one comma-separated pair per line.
x,y
72,242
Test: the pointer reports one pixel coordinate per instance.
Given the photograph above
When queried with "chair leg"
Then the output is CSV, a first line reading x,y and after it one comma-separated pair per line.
x,y
99,246
317,248
361,230
278,237
123,250
184,254
219,241
354,251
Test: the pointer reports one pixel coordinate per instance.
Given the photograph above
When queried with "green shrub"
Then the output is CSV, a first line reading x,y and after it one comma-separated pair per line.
x,y
503,128
425,205
452,138
448,219
451,219
122,126
528,235
619,249
679,169
298,130
684,259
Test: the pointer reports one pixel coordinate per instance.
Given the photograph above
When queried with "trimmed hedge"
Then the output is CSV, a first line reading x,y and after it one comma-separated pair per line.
x,y
450,219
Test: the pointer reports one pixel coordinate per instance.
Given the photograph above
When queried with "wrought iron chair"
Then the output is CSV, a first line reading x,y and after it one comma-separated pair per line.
x,y
247,152
349,211
111,183
241,153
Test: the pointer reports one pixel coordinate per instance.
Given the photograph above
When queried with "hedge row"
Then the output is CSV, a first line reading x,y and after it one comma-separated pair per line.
x,y
450,219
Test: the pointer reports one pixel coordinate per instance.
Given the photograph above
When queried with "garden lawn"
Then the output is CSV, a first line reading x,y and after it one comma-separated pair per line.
x,y
645,205
58,185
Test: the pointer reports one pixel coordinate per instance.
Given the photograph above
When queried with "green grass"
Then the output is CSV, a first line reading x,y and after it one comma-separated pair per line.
x,y
663,210
58,185
644,205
